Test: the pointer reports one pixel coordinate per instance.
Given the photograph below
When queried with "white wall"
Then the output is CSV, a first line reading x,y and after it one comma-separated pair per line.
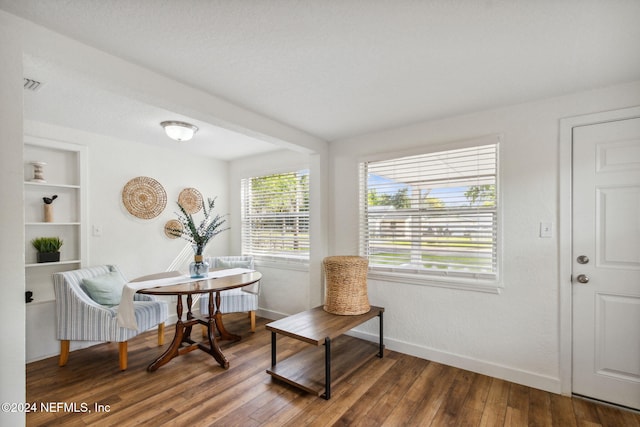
x,y
514,334
12,307
137,246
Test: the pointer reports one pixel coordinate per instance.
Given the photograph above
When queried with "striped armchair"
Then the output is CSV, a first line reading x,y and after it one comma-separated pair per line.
x,y
80,318
235,300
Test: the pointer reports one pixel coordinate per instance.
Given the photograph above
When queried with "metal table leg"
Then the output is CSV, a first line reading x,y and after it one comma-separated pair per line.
x,y
381,353
327,368
273,349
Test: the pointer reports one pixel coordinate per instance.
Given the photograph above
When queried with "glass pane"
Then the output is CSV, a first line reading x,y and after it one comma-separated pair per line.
x,y
275,216
436,211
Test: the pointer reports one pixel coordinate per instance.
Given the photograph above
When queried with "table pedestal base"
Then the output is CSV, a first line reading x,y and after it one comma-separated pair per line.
x,y
182,342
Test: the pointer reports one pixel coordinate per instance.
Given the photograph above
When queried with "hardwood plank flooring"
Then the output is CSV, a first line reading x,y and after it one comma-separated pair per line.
x,y
193,390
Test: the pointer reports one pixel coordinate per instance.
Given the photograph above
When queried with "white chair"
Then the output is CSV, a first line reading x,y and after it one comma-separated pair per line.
x,y
238,300
80,318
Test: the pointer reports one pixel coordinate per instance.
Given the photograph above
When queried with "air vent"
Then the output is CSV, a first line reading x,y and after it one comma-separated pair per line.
x,y
32,85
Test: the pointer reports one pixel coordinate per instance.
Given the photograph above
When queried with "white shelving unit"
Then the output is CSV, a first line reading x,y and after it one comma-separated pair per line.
x,y
66,176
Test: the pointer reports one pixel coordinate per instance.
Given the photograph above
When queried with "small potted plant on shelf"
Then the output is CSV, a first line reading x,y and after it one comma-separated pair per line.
x,y
48,248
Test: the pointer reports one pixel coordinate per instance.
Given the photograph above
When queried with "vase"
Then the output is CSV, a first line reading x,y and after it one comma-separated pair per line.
x,y
199,268
48,213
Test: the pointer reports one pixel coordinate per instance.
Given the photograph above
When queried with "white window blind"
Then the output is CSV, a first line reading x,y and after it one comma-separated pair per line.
x,y
434,213
275,216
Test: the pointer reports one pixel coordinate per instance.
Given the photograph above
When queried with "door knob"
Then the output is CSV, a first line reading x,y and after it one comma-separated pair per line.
x,y
582,278
582,259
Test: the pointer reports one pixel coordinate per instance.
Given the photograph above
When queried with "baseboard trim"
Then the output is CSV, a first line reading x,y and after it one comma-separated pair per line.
x,y
270,314
495,370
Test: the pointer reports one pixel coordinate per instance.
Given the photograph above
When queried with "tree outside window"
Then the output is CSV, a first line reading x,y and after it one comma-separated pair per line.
x,y
435,213
275,216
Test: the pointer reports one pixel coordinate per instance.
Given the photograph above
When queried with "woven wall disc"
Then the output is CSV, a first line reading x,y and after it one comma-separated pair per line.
x,y
171,226
191,200
144,197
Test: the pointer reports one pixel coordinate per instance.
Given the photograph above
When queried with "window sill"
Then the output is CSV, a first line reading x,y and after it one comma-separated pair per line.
x,y
283,265
459,283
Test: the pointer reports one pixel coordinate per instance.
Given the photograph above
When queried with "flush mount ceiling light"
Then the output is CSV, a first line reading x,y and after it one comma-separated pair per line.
x,y
180,131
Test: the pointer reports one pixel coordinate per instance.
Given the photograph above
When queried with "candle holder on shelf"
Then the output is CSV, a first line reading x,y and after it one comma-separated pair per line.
x,y
38,172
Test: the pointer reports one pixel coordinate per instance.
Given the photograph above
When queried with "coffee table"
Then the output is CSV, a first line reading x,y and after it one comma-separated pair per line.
x,y
305,369
182,342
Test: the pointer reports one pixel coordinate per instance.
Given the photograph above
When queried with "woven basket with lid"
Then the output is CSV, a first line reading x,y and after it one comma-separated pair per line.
x,y
346,283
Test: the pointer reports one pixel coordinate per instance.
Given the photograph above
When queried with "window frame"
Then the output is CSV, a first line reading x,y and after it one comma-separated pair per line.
x,y
282,260
480,282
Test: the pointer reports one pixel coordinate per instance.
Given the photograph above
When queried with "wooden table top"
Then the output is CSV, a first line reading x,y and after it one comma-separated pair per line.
x,y
206,285
314,325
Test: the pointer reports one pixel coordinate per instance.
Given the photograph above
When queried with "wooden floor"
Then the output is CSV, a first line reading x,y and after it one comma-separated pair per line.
x,y
194,390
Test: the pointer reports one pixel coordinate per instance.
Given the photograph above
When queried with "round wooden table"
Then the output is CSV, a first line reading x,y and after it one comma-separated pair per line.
x,y
182,342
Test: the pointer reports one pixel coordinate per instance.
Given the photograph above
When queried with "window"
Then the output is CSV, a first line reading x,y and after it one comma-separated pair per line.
x,y
275,216
434,214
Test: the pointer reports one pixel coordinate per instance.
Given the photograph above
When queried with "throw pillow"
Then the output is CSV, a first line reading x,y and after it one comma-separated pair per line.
x,y
105,289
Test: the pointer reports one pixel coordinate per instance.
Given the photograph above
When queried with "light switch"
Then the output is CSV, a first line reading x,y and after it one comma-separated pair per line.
x,y
546,229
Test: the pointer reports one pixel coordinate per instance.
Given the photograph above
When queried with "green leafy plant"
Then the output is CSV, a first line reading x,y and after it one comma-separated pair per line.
x,y
47,244
199,235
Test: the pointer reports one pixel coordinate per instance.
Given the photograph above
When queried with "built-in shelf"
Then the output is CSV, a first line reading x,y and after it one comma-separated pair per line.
x,y
39,302
65,172
46,184
50,264
51,224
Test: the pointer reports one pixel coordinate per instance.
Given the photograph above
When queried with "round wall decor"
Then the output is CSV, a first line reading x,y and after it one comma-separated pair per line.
x,y
171,227
191,200
144,197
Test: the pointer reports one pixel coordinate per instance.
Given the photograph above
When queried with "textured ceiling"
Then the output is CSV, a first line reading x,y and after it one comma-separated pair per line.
x,y
337,69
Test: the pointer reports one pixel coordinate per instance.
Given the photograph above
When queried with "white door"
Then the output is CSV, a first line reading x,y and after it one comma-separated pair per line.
x,y
606,261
